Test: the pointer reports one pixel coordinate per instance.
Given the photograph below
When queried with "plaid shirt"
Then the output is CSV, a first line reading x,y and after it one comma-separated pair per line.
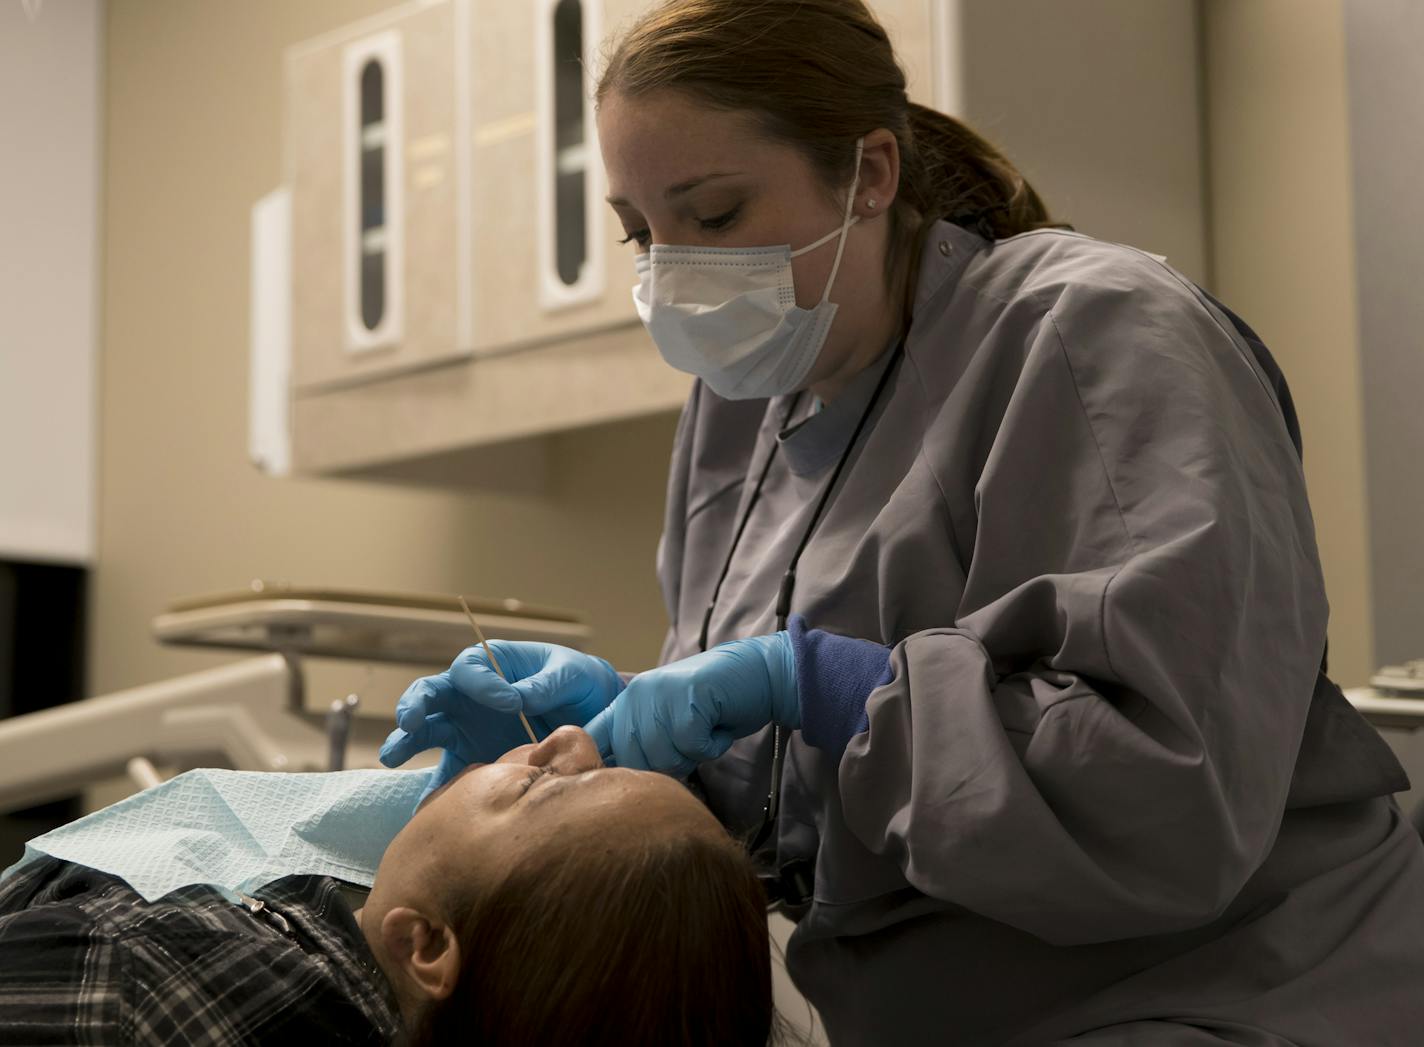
x,y
84,959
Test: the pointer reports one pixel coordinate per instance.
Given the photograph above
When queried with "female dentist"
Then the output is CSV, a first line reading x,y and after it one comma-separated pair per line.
x,y
997,618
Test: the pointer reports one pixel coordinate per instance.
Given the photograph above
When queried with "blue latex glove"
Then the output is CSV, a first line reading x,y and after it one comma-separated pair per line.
x,y
674,717
471,713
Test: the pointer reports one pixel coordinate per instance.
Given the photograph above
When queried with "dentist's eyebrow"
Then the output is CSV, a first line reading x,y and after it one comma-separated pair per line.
x,y
679,189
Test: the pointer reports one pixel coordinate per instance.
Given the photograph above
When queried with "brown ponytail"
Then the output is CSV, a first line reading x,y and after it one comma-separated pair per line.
x,y
818,74
958,175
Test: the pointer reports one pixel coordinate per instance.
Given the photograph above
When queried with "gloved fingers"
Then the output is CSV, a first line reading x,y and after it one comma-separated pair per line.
x,y
622,737
697,742
718,744
710,746
699,729
627,746
621,744
435,732
600,729
608,679
412,706
437,695
397,748
519,659
645,726
558,684
449,766
514,660
471,678
573,686
667,736
576,715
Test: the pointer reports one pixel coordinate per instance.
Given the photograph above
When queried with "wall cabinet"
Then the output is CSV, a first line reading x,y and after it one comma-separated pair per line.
x,y
455,277
454,280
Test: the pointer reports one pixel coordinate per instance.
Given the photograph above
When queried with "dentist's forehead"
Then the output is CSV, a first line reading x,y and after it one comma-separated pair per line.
x,y
655,141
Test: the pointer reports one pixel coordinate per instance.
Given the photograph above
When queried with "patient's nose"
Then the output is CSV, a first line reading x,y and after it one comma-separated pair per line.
x,y
569,750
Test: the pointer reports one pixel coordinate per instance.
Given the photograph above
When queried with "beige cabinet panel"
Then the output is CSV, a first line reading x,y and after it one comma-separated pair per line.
x,y
500,338
384,189
516,167
502,399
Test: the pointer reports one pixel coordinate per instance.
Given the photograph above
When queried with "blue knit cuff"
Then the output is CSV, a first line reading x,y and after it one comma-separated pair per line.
x,y
834,677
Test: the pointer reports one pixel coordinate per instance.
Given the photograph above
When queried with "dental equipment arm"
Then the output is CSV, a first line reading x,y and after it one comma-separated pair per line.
x,y
238,715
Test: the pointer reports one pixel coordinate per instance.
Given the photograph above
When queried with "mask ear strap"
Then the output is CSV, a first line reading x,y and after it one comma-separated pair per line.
x,y
846,222
823,240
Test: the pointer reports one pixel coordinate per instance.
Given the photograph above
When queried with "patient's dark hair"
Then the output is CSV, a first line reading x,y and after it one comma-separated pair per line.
x,y
659,942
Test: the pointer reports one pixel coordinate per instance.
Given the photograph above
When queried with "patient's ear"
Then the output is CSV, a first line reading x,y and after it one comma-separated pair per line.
x,y
425,951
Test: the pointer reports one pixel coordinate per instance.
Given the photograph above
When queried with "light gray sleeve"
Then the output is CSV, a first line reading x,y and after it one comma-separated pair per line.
x,y
1101,745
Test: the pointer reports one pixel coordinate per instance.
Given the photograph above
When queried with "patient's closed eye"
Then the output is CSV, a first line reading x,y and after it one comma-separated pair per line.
x,y
535,775
568,784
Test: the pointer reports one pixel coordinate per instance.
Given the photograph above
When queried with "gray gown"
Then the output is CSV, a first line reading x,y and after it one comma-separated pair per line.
x,y
1107,797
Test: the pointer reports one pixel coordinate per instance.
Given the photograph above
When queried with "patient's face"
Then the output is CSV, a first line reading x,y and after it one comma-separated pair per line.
x,y
557,792
546,808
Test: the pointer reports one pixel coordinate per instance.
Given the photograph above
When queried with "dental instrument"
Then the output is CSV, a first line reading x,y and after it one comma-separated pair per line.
x,y
495,662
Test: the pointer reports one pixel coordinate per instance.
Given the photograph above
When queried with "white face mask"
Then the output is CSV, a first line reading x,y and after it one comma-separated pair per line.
x,y
729,316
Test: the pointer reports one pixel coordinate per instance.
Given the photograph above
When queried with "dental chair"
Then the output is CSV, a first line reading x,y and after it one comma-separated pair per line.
x,y
253,714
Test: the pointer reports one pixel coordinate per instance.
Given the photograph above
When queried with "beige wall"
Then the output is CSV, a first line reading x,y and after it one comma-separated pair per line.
x,y
194,135
193,138
1386,111
1097,102
50,98
1279,184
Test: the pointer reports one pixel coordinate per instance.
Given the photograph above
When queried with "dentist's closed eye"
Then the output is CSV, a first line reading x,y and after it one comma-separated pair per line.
x,y
722,221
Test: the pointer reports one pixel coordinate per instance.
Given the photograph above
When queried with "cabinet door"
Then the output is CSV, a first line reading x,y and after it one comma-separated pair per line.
x,y
377,131
447,186
547,268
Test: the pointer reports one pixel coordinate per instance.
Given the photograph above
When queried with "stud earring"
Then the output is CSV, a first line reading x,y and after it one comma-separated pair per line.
x,y
870,204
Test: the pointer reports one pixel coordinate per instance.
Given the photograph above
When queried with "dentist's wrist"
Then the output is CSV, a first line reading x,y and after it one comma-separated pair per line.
x,y
835,676
779,657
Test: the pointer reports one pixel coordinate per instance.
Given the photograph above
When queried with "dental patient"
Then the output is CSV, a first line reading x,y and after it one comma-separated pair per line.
x,y
540,899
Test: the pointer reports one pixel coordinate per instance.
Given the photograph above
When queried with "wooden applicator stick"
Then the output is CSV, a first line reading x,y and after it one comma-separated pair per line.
x,y
495,662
